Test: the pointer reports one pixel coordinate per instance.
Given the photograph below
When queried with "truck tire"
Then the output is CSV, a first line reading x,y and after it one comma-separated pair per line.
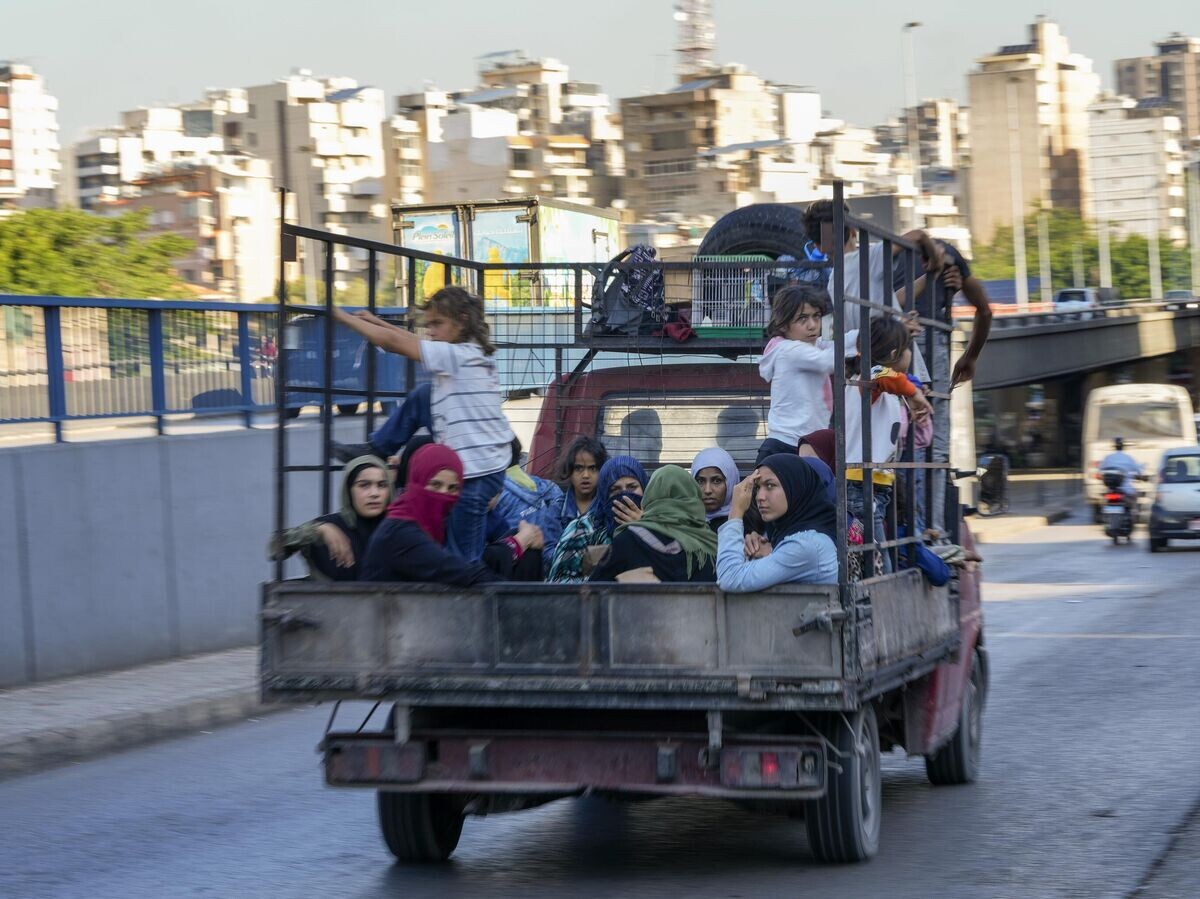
x,y
843,825
420,827
772,229
957,762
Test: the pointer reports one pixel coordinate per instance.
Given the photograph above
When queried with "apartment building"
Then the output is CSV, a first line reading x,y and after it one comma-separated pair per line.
x,y
1172,74
29,147
1136,161
107,164
1029,107
324,139
227,206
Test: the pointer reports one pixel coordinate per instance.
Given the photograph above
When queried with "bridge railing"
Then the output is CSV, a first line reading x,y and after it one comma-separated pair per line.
x,y
70,358
1010,315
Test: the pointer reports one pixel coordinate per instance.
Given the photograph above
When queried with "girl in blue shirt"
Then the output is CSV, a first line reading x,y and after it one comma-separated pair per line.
x,y
801,525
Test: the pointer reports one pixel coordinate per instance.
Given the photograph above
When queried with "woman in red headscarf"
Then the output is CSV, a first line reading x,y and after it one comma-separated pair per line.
x,y
410,545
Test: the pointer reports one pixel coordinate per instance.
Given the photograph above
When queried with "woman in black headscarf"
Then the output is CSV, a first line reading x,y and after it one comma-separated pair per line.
x,y
800,529
334,544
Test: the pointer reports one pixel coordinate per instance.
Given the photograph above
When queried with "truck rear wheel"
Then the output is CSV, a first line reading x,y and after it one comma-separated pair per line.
x,y
958,761
843,825
769,228
420,827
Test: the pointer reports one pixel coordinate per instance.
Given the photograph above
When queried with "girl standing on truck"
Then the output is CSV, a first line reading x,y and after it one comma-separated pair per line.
x,y
800,529
619,492
797,363
465,400
890,388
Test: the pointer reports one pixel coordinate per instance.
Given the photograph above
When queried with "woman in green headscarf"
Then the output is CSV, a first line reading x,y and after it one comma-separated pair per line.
x,y
672,539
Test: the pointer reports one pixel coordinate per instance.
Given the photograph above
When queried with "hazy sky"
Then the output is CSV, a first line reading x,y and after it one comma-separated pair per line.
x,y
106,56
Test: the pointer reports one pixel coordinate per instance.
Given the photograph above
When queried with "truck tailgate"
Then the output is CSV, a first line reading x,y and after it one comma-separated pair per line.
x,y
601,645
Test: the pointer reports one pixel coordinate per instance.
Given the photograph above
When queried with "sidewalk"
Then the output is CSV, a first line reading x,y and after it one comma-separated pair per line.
x,y
65,720
1037,498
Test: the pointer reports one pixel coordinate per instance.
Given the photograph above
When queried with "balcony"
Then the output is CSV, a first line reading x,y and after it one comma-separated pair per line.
x,y
327,147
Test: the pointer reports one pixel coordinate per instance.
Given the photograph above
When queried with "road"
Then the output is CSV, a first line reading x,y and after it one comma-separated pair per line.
x,y
1091,763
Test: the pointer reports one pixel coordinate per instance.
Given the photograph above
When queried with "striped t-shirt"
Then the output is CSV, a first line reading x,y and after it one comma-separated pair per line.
x,y
465,402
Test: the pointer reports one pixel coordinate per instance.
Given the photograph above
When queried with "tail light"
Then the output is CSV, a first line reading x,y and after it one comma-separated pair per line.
x,y
760,767
1113,497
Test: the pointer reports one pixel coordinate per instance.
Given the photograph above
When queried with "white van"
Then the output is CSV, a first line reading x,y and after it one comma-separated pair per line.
x,y
1151,418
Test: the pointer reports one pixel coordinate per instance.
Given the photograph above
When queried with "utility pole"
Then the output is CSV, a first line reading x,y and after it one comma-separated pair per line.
x,y
1018,194
914,136
1102,233
1044,257
1156,288
1193,190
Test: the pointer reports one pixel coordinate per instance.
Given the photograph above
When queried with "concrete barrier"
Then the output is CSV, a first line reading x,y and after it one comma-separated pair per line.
x,y
124,552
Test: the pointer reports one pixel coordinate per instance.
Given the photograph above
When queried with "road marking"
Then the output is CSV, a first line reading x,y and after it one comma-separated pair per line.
x,y
1069,636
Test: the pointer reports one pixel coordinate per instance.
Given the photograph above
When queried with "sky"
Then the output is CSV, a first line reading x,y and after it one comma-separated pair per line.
x,y
99,58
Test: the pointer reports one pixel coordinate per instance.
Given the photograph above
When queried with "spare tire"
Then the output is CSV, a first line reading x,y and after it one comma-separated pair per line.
x,y
771,229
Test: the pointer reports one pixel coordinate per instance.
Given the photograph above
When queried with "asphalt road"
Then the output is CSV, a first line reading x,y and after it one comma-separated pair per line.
x,y
1091,764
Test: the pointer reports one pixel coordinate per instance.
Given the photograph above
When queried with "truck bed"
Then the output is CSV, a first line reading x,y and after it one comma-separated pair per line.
x,y
661,646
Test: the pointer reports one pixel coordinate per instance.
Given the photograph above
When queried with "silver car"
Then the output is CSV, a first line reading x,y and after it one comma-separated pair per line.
x,y
1175,514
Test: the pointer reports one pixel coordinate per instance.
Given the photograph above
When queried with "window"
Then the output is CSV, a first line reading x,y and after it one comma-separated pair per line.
x,y
520,159
1181,470
1141,420
252,139
252,111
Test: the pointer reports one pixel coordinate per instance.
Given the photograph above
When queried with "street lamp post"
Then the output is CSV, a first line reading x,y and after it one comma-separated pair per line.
x,y
1156,290
910,98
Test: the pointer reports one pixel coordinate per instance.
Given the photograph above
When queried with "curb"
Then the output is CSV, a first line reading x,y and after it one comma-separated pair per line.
x,y
48,748
993,530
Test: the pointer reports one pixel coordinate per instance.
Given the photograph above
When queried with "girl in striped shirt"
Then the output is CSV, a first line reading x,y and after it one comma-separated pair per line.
x,y
464,402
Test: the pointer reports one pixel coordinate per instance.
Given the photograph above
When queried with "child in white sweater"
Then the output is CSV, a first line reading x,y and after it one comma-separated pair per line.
x,y
797,363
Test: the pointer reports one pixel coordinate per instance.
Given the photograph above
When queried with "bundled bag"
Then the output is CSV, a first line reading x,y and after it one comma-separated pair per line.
x,y
630,300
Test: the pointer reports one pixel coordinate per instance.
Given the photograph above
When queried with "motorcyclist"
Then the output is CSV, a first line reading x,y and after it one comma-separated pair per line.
x,y
1122,461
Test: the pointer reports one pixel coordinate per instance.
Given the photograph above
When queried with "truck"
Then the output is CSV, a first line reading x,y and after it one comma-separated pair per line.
x,y
513,231
504,697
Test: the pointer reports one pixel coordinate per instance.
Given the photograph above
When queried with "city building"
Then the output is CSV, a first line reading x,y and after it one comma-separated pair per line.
x,y
404,159
547,102
227,206
1173,74
1029,115
1137,163
324,140
667,135
107,164
482,155
29,149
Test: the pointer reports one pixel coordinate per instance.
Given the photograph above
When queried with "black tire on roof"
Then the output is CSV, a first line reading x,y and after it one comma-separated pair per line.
x,y
772,229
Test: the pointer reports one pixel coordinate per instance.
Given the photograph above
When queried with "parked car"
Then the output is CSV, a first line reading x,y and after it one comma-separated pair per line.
x,y
1175,514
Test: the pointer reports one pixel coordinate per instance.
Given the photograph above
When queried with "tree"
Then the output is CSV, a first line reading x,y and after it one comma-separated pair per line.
x,y
68,252
1071,240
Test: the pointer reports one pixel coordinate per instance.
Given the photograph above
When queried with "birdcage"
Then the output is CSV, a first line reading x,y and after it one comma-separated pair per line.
x,y
730,300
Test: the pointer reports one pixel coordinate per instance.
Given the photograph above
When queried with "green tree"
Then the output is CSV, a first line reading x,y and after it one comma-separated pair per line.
x,y
1074,241
67,252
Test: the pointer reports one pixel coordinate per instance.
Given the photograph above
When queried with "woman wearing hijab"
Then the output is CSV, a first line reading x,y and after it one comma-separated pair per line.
x,y
334,545
618,499
410,545
716,475
800,525
671,538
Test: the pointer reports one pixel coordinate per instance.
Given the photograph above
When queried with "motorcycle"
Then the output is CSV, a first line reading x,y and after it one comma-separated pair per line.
x,y
1117,510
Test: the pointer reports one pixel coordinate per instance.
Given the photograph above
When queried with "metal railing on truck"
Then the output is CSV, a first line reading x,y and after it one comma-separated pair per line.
x,y
732,297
